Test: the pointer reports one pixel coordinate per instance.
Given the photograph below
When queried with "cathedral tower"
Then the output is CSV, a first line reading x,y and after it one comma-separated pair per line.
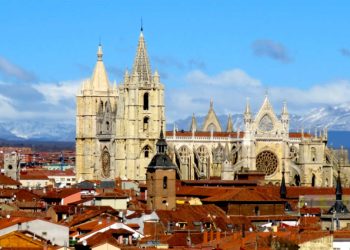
x,y
95,125
139,117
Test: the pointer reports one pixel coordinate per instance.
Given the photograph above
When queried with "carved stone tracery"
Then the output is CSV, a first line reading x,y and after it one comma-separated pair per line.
x,y
266,162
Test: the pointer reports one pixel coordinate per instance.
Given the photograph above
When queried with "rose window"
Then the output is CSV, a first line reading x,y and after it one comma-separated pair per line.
x,y
266,162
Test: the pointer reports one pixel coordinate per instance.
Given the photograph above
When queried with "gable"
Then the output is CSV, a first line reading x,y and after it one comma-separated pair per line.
x,y
16,239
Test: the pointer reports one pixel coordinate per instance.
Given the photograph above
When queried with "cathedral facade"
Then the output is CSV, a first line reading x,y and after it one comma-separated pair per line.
x,y
265,145
117,127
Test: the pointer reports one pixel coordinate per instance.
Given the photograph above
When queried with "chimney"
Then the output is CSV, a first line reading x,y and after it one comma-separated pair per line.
x,y
218,235
205,237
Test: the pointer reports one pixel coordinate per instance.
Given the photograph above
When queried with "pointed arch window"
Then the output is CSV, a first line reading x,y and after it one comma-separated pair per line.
x,y
145,123
101,106
106,107
313,154
313,180
146,101
146,151
107,126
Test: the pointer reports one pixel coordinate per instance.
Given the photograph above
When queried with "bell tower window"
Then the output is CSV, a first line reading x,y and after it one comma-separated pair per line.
x,y
145,123
165,182
146,101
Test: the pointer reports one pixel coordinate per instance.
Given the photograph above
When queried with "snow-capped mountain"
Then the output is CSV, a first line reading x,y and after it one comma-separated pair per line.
x,y
335,118
37,130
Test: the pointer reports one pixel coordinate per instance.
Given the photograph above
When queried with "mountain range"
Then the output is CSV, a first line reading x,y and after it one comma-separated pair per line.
x,y
335,118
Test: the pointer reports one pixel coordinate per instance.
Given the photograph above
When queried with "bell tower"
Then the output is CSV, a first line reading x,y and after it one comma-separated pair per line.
x,y
95,125
161,179
140,117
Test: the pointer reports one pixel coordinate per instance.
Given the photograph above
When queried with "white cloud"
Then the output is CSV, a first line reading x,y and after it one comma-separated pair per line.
x,y
233,77
54,93
7,109
46,101
229,91
10,70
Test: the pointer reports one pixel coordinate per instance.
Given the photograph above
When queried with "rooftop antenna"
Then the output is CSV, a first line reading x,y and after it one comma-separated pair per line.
x,y
141,25
99,40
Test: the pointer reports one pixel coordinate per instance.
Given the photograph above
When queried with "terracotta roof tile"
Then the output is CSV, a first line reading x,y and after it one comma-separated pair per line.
x,y
7,181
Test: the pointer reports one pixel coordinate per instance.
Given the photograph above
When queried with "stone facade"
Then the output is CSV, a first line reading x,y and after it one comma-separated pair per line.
x,y
117,126
265,144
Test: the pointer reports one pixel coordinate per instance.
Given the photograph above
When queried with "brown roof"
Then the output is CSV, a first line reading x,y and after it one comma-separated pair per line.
x,y
57,193
243,195
7,222
7,181
87,213
191,214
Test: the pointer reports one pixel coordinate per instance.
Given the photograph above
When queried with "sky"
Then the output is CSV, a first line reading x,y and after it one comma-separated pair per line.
x,y
227,51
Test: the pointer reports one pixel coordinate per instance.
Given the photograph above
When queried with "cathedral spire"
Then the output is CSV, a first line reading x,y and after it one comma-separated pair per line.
x,y
338,189
284,108
193,124
142,67
247,113
99,78
283,188
247,107
161,143
211,122
229,124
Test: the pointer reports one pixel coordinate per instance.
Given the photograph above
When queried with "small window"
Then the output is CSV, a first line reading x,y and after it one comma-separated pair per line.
x,y
107,126
145,123
146,151
313,154
313,180
146,101
165,182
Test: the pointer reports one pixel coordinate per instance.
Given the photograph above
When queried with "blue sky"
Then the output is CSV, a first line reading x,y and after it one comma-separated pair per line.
x,y
226,50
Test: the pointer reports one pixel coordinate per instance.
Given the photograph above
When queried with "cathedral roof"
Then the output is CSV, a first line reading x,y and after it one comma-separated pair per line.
x,y
205,134
99,78
142,66
182,133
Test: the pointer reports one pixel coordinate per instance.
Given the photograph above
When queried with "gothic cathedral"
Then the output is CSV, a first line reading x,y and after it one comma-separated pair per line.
x,y
117,127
